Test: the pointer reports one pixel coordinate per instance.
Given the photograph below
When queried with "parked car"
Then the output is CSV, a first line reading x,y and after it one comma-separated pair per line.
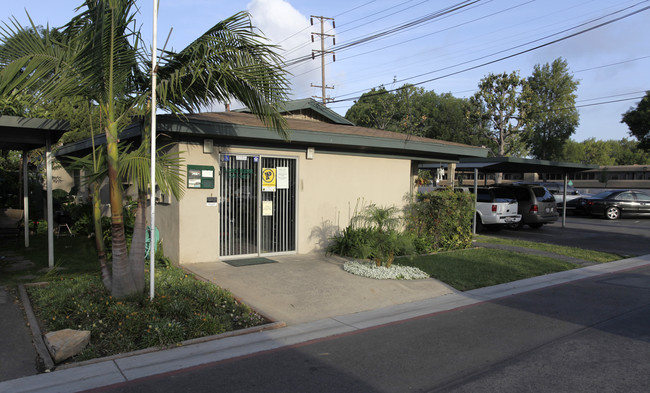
x,y
536,204
578,206
616,203
557,190
495,207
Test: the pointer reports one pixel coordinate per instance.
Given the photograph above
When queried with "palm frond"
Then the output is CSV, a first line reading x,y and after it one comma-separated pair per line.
x,y
229,61
136,166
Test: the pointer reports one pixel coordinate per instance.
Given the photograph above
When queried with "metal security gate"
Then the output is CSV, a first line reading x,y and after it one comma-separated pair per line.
x,y
278,221
238,188
257,205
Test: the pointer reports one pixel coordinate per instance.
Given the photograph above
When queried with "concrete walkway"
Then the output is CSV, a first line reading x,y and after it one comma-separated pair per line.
x,y
304,288
105,372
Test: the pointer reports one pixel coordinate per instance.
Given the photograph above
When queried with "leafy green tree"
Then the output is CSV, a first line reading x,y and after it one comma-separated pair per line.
x,y
573,151
499,102
638,121
598,152
414,111
448,118
375,109
628,152
100,59
610,152
552,115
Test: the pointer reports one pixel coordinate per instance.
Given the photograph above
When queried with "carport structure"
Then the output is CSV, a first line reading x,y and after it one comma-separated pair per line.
x,y
26,134
519,165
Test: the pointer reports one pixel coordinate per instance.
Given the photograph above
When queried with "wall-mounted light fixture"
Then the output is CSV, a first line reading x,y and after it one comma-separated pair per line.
x,y
310,153
208,145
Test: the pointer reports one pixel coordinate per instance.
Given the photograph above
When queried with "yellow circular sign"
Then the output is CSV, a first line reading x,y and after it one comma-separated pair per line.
x,y
268,175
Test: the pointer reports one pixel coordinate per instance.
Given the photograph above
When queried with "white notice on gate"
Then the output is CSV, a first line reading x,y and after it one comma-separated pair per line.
x,y
267,208
282,177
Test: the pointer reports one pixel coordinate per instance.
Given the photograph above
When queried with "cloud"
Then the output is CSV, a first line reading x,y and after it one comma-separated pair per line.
x,y
283,25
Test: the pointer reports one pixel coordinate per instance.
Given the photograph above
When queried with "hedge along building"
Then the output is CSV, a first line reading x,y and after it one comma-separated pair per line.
x,y
249,192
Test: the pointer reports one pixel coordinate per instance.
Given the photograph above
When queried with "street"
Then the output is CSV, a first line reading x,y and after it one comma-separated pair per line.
x,y
590,335
625,236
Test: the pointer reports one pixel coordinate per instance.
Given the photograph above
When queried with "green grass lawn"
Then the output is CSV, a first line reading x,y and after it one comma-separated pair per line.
x,y
482,267
72,255
575,252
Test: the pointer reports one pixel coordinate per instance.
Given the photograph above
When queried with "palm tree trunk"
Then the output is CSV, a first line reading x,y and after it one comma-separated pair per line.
x,y
123,283
137,251
99,238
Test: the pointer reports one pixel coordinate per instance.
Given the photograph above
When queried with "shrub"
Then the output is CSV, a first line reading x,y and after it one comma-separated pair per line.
x,y
352,242
372,235
441,220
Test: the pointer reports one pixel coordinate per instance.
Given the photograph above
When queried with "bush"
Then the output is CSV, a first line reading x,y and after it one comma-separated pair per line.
x,y
441,220
376,238
353,242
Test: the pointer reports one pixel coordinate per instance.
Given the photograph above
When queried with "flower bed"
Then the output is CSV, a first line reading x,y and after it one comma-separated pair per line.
x,y
395,272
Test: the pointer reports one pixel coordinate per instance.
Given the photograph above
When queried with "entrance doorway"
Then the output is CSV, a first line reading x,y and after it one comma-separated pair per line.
x,y
257,205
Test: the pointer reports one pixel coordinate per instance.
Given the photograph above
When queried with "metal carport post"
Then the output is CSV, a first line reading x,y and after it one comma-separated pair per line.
x,y
25,134
521,165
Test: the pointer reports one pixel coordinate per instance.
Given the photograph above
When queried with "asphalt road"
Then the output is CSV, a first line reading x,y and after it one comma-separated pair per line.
x,y
626,236
590,335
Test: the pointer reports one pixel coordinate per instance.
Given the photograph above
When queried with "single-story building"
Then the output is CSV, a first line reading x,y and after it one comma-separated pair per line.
x,y
249,192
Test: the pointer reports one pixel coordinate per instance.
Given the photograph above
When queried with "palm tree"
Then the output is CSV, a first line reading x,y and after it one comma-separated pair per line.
x,y
101,58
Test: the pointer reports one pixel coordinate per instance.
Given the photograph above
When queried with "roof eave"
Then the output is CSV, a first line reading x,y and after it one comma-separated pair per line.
x,y
427,150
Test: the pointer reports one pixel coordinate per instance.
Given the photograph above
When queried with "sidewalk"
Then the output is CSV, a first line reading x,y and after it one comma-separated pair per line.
x,y
17,354
120,370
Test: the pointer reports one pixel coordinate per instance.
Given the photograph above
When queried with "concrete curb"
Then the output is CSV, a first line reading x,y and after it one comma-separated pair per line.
x,y
37,335
44,354
200,340
120,371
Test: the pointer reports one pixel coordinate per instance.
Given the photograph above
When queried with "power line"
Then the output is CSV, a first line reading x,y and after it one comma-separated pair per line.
x,y
515,47
335,16
426,35
615,95
365,17
501,58
609,102
612,64
394,29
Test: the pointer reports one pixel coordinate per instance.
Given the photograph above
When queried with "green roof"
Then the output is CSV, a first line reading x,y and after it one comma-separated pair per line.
x,y
309,104
246,130
524,165
26,133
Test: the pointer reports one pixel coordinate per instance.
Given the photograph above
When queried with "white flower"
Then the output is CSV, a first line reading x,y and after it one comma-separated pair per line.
x,y
395,272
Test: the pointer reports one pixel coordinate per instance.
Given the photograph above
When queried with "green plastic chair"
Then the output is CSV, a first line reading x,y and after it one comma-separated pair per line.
x,y
147,242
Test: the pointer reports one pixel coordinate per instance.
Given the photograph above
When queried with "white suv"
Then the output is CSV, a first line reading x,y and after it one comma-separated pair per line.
x,y
495,207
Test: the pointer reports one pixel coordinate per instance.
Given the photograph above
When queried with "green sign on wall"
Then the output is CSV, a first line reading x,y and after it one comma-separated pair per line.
x,y
200,176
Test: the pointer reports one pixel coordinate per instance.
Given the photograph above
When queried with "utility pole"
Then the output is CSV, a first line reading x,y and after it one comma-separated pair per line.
x,y
322,53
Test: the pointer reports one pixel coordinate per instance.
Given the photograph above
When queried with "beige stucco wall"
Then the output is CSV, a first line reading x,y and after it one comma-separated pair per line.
x,y
330,187
189,228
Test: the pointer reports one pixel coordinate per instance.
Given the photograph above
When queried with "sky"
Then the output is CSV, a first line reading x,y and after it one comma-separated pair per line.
x,y
448,47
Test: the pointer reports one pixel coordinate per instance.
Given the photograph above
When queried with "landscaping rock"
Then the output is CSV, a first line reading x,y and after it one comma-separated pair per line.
x,y
66,343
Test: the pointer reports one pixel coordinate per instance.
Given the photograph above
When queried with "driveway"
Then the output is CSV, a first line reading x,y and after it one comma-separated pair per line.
x,y
626,236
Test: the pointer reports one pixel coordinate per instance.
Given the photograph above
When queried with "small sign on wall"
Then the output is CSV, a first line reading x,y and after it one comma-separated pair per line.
x,y
200,176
